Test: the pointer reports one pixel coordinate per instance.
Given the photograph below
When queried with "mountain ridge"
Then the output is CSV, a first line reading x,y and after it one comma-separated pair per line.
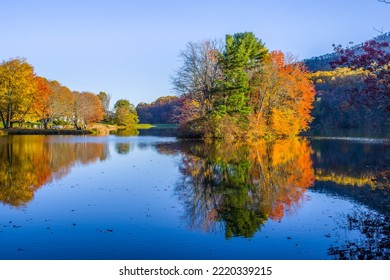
x,y
321,63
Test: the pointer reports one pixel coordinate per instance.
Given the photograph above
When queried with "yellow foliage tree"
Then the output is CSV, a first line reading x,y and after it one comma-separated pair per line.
x,y
17,90
281,98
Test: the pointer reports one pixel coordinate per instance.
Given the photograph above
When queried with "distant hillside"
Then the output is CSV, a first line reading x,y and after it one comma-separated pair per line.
x,y
161,111
347,97
321,63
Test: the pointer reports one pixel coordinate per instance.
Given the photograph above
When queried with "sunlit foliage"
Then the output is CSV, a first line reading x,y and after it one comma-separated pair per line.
x,y
281,98
18,87
161,111
255,94
26,98
125,113
87,108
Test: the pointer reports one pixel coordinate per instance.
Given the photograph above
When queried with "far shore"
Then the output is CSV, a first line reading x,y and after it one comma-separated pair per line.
x,y
27,131
95,129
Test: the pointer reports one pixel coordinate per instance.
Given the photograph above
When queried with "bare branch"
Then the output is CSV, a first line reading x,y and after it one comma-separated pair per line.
x,y
380,31
385,1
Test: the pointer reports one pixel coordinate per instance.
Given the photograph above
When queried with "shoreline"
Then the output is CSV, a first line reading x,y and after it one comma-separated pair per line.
x,y
25,131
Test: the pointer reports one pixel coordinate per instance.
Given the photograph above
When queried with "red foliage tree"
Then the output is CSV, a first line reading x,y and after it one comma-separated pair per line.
x,y
374,57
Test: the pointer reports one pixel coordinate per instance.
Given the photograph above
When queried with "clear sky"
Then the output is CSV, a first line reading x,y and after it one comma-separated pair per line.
x,y
130,48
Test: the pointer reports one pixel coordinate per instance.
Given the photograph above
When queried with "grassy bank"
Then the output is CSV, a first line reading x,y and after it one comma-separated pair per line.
x,y
95,129
102,128
159,125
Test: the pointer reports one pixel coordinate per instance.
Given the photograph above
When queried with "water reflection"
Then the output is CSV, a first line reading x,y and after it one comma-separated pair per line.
x,y
358,171
375,244
126,132
237,188
29,162
241,186
232,190
123,148
352,162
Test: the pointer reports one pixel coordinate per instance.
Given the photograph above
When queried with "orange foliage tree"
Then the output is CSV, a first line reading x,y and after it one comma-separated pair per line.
x,y
41,104
281,98
87,108
60,102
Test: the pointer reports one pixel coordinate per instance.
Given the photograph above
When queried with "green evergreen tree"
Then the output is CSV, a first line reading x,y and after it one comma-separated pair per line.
x,y
243,53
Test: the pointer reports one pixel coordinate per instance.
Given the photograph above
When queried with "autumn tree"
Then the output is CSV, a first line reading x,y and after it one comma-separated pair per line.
x,y
195,82
374,58
17,90
196,79
41,106
87,108
163,110
281,98
60,102
125,113
339,100
105,100
254,93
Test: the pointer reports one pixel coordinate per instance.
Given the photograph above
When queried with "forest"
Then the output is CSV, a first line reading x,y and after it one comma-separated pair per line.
x,y
353,86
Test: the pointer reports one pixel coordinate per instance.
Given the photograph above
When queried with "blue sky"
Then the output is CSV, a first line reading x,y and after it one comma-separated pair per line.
x,y
130,48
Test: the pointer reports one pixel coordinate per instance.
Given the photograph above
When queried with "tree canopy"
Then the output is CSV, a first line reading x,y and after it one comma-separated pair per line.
x,y
254,93
26,97
18,87
125,113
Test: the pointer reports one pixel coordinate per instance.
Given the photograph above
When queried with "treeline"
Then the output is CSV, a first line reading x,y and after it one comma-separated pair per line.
x,y
356,93
161,111
26,98
241,90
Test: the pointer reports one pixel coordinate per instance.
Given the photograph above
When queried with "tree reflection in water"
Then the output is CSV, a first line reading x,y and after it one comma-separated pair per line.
x,y
29,162
375,244
241,186
358,170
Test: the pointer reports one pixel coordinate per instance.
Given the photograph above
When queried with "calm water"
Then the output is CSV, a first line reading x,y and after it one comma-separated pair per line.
x,y
153,197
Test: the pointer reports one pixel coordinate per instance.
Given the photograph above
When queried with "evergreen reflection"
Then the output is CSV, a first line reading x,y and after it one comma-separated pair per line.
x,y
241,186
29,162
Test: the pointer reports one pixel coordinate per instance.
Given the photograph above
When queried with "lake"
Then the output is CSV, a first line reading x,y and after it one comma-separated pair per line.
x,y
154,197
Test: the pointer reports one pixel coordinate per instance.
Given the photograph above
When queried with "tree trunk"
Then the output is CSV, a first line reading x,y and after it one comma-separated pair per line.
x,y
8,123
3,120
76,125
